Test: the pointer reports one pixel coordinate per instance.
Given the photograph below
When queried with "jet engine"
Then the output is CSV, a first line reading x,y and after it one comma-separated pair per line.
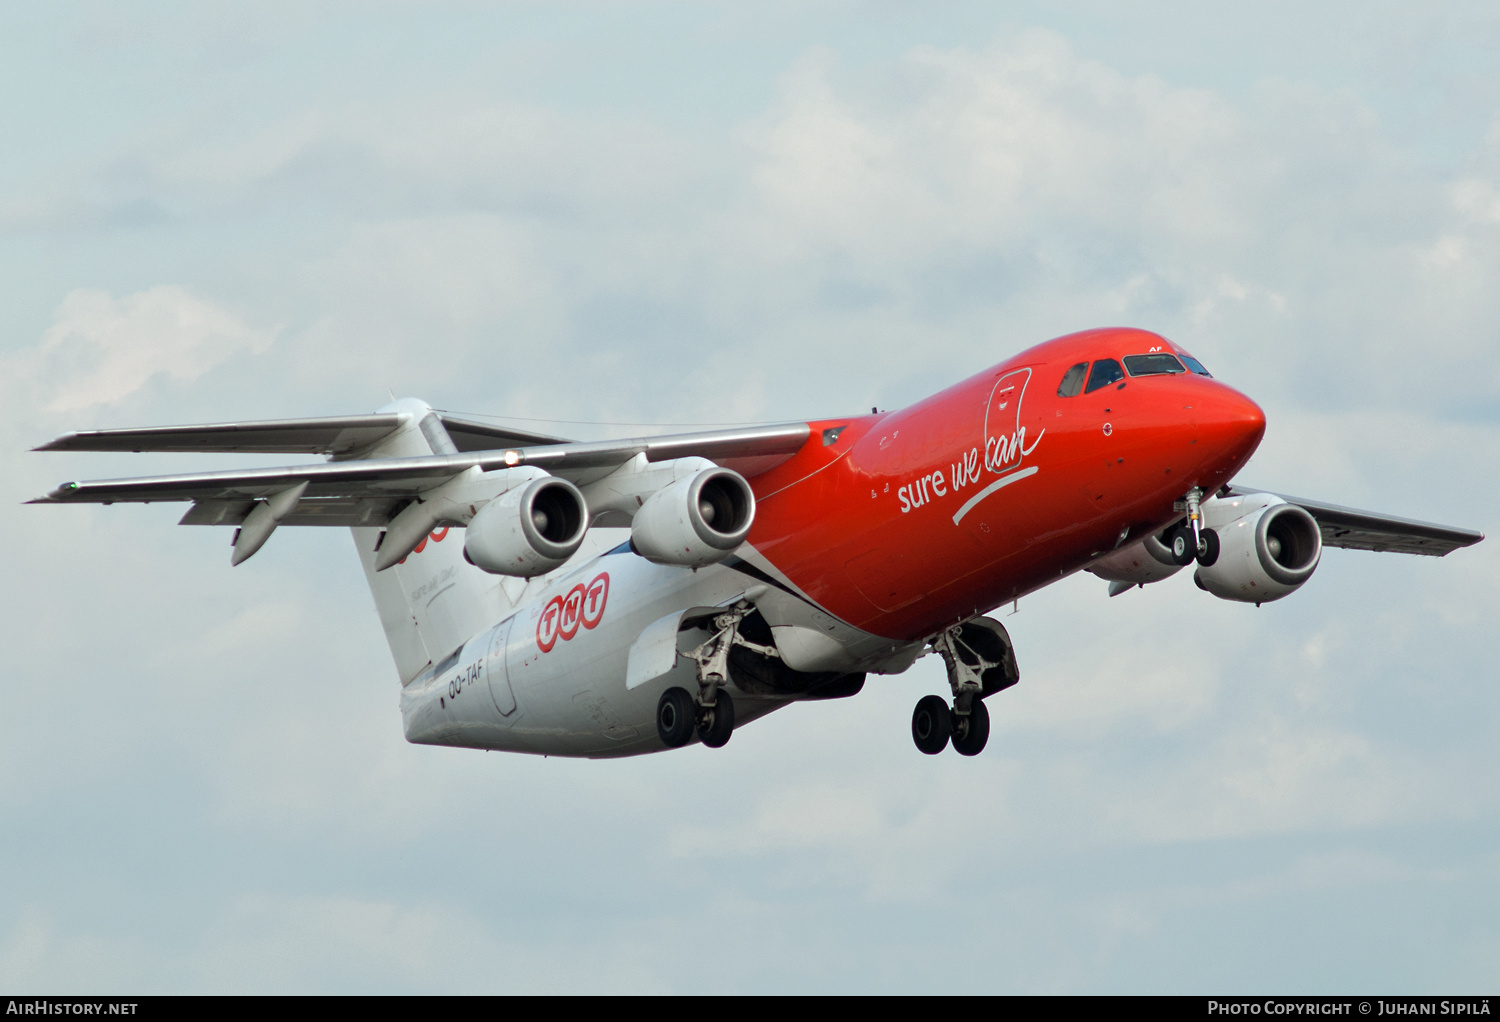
x,y
1266,552
528,530
695,521
1147,560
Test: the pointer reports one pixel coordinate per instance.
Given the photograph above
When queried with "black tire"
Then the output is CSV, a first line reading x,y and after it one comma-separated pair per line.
x,y
1180,545
716,722
676,718
975,733
931,724
1208,549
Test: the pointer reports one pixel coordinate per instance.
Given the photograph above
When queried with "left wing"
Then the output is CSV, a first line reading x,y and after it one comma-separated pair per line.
x,y
1369,530
336,435
363,492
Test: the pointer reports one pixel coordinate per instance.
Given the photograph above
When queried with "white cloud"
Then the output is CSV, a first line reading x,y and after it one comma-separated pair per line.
x,y
101,350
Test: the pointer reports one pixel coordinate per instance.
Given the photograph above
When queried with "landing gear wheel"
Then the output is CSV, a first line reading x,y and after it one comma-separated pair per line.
x,y
1208,549
1180,544
716,722
675,718
969,736
931,724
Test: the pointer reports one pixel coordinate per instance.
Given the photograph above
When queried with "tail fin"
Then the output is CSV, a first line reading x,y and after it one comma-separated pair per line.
x,y
434,600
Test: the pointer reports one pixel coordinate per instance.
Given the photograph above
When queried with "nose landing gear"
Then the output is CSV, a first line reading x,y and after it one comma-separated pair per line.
x,y
980,663
1192,540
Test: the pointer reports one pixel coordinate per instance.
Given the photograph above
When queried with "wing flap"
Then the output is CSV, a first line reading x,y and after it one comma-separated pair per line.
x,y
1354,529
346,513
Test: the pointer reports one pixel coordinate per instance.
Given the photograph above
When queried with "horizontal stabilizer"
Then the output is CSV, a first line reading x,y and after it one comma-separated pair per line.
x,y
1370,530
337,435
478,436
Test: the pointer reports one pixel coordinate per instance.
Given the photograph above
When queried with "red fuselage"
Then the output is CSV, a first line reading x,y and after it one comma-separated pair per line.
x,y
998,485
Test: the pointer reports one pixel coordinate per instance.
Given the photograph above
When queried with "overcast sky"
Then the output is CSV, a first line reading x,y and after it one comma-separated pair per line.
x,y
589,216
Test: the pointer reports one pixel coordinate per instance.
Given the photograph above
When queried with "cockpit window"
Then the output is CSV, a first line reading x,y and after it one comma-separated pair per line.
x,y
1105,372
1072,381
1153,365
1196,366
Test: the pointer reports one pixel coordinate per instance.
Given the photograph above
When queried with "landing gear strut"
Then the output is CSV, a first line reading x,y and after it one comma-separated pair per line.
x,y
1192,540
980,663
709,714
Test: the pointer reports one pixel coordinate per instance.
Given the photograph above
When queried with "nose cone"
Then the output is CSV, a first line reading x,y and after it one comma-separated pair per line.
x,y
1230,427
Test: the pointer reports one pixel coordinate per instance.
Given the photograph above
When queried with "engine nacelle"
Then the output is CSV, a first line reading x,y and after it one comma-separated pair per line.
x,y
1147,560
1267,548
695,521
528,530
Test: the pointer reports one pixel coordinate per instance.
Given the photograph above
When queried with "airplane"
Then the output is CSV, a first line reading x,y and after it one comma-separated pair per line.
x,y
622,597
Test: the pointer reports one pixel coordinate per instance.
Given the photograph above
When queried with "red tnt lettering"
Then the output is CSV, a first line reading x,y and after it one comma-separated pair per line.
x,y
594,598
547,624
560,618
572,613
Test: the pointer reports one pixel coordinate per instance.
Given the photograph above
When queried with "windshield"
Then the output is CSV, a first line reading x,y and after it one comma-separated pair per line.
x,y
1153,365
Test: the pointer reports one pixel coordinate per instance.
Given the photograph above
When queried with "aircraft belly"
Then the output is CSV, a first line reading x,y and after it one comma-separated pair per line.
x,y
564,665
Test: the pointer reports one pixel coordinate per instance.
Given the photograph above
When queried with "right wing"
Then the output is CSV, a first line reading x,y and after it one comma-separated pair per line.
x,y
1370,530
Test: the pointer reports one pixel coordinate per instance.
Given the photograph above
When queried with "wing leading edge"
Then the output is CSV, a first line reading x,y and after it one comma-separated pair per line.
x,y
1369,530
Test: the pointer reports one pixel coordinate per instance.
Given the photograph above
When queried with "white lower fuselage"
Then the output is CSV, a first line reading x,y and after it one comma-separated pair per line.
x,y
531,685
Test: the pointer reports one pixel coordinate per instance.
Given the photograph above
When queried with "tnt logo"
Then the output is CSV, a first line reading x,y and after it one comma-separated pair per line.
x,y
560,618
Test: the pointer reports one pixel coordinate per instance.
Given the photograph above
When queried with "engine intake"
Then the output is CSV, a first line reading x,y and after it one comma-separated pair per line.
x,y
1264,555
528,530
695,521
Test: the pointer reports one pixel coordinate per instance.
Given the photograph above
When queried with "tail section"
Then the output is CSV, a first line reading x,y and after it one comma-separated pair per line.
x,y
433,600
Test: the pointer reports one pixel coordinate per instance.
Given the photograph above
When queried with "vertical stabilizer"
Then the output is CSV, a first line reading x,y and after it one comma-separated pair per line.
x,y
433,600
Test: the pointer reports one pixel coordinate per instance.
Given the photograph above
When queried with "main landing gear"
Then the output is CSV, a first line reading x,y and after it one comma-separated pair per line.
x,y
709,714
980,663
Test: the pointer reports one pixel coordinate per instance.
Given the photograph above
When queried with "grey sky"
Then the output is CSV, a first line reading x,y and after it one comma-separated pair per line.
x,y
674,213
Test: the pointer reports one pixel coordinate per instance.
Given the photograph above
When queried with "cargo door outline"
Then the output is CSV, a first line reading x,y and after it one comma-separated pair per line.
x,y
495,671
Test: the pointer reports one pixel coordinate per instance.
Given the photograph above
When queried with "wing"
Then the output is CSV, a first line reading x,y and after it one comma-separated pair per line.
x,y
364,492
337,435
1369,530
